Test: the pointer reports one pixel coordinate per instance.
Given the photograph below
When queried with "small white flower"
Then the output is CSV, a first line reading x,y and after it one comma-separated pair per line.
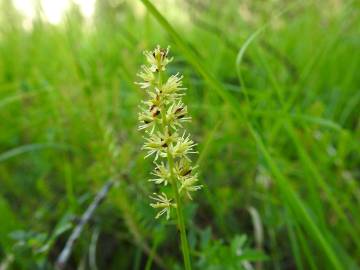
x,y
156,98
188,184
158,143
147,75
172,86
183,147
162,173
158,58
162,201
149,117
176,114
183,168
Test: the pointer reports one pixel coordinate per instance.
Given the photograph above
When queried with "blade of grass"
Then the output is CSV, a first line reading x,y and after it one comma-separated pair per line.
x,y
308,164
294,243
29,148
313,194
295,248
296,204
240,57
305,249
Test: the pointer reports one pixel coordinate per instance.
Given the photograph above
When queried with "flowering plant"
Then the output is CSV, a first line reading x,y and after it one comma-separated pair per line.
x,y
162,117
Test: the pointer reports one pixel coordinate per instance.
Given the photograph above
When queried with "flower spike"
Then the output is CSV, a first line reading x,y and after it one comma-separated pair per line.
x,y
162,117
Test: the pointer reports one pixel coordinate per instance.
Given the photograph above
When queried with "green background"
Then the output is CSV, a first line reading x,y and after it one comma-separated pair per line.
x,y
274,93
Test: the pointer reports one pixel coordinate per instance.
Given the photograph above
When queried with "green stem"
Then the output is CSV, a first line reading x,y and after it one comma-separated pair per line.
x,y
180,216
173,182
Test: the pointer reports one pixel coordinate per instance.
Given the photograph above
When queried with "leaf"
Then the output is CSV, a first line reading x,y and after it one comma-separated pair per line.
x,y
253,255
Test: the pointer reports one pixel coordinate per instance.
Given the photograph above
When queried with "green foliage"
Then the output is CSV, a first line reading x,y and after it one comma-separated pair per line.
x,y
214,254
274,98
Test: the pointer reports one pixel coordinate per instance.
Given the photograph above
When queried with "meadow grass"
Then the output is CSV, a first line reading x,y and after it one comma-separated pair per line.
x,y
273,91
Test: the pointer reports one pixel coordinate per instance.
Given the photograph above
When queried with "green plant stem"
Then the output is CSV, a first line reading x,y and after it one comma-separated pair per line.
x,y
173,182
180,216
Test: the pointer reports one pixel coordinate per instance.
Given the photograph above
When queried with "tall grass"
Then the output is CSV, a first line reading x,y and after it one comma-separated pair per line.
x,y
273,93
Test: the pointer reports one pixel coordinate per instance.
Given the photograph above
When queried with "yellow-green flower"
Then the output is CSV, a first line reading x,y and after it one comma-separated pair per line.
x,y
158,143
162,116
162,173
188,184
158,59
147,76
183,147
177,114
162,202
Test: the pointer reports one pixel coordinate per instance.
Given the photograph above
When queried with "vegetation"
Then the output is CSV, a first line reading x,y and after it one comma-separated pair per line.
x,y
274,97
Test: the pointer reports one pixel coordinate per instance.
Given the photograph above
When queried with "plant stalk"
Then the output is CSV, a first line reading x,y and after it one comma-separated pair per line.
x,y
179,211
180,216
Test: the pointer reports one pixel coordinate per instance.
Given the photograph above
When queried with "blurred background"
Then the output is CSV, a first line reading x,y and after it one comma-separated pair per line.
x,y
274,93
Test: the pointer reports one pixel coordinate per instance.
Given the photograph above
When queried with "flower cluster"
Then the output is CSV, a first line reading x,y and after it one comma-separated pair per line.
x,y
162,116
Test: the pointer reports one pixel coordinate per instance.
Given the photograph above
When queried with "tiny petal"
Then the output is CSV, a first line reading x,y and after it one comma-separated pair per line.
x,y
183,168
173,85
158,59
176,115
159,143
162,173
147,76
188,185
183,147
162,202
